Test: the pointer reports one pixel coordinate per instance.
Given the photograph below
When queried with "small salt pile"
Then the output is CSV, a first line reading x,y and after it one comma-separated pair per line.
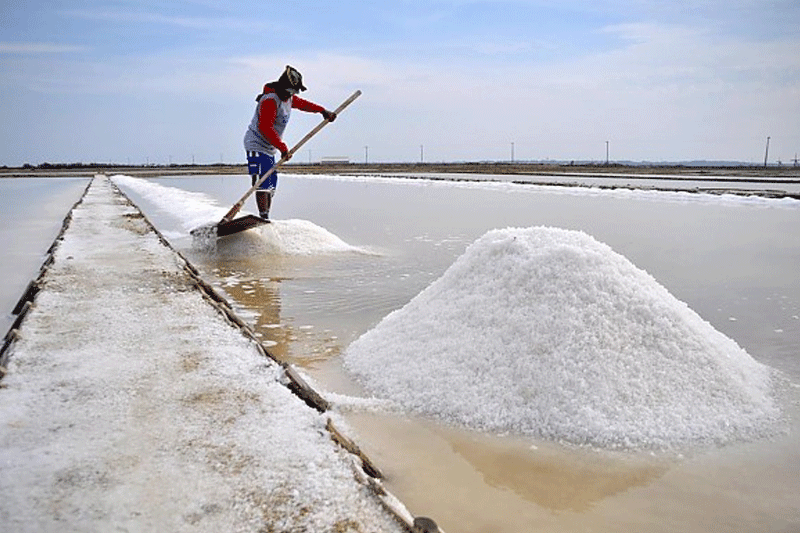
x,y
550,333
199,214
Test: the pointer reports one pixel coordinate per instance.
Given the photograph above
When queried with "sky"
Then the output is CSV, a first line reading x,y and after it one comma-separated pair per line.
x,y
153,82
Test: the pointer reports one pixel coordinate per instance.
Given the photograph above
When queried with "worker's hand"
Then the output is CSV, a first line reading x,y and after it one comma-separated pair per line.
x,y
330,116
286,155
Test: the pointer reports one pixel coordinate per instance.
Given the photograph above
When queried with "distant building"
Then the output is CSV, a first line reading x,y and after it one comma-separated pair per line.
x,y
335,161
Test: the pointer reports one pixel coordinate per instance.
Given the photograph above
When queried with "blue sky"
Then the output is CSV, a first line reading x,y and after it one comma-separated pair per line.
x,y
152,81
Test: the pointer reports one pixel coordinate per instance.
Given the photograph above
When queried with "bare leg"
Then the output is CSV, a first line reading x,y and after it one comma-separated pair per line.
x,y
264,202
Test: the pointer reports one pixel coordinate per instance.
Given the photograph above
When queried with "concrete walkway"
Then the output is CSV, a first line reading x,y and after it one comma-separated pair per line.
x,y
132,404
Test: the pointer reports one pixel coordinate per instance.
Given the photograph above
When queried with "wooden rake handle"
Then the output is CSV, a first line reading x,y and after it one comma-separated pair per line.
x,y
238,205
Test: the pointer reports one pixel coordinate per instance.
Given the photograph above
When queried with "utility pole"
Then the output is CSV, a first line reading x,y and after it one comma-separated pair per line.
x,y
512,152
766,154
795,159
607,153
366,154
421,153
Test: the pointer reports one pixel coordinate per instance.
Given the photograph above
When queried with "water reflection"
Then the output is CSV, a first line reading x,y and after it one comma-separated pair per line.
x,y
259,300
257,285
553,478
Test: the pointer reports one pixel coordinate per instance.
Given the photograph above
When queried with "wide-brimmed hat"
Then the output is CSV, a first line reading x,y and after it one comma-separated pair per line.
x,y
292,79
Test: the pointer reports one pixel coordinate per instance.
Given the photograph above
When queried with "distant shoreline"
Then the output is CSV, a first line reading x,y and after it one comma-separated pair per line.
x,y
665,171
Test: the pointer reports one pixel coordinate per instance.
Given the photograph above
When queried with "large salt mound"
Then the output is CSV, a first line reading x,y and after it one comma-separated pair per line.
x,y
550,333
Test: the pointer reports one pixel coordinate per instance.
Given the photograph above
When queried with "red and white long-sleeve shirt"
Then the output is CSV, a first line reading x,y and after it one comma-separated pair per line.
x,y
269,121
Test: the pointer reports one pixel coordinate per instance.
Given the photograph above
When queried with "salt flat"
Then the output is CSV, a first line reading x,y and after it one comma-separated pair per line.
x,y
132,404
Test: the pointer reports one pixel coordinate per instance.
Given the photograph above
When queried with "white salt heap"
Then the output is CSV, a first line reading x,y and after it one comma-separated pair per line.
x,y
199,211
291,237
550,333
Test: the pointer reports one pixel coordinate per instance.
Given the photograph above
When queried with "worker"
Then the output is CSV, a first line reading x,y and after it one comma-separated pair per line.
x,y
263,139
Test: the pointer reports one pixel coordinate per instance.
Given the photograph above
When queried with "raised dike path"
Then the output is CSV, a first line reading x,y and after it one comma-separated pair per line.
x,y
133,399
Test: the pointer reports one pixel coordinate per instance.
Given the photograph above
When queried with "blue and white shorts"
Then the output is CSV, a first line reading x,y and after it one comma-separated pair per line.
x,y
258,164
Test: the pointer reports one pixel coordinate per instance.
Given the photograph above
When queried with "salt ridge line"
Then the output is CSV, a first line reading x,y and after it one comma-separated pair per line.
x,y
126,226
715,196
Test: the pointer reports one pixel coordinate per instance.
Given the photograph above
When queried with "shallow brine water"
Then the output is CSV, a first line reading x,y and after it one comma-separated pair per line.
x,y
32,211
732,260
